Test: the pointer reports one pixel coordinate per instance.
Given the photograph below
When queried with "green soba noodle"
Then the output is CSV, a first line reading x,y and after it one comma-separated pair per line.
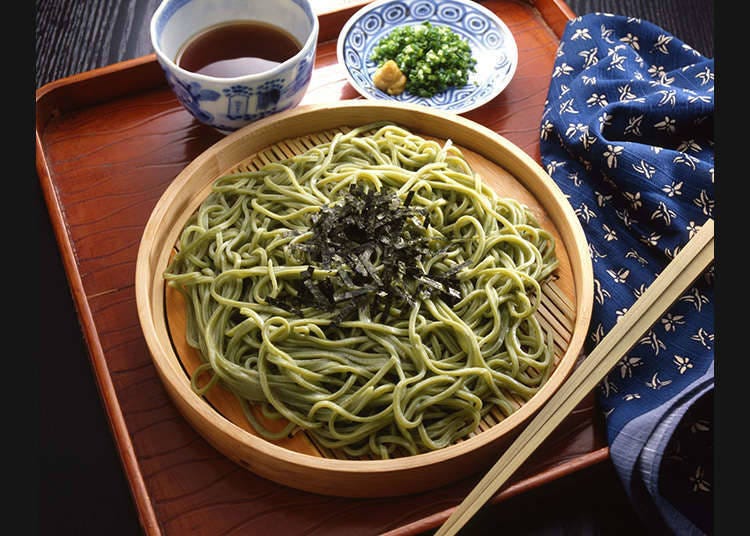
x,y
373,376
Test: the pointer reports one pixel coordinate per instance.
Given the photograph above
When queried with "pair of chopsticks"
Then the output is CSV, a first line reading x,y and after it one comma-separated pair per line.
x,y
671,283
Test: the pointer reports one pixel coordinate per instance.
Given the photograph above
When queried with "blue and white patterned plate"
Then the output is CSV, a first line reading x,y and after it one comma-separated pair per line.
x,y
491,42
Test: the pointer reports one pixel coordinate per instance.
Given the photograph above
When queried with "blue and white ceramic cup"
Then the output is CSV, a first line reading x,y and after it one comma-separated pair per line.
x,y
228,104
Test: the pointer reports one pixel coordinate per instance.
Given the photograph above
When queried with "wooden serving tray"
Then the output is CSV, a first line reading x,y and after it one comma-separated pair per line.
x,y
109,142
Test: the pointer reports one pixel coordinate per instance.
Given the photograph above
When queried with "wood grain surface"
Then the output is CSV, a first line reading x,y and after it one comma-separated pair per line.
x,y
74,36
82,486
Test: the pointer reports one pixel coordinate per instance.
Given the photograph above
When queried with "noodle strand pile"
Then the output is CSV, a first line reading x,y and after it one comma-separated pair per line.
x,y
377,349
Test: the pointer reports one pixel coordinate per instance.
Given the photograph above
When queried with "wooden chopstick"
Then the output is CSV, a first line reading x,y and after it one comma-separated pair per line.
x,y
671,283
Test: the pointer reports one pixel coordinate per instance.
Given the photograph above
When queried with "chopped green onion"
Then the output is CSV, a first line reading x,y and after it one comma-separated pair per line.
x,y
432,57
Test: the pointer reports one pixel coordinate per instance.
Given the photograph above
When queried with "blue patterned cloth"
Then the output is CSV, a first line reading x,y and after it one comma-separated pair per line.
x,y
627,134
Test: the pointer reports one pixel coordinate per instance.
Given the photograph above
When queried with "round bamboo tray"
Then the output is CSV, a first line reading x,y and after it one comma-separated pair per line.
x,y
296,461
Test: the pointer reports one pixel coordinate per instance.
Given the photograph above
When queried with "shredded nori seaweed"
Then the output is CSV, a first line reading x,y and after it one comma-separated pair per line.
x,y
374,243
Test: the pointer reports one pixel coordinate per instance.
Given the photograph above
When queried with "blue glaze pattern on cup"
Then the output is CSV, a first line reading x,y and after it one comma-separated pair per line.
x,y
228,104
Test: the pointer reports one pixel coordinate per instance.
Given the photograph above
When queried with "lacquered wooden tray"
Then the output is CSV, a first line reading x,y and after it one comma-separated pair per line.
x,y
109,142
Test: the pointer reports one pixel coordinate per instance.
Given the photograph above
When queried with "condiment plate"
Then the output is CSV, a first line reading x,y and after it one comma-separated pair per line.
x,y
492,43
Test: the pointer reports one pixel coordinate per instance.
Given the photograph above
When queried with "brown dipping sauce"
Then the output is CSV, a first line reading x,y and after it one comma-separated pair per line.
x,y
237,48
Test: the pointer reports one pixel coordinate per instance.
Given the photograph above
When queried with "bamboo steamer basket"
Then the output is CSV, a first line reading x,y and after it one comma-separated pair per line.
x,y
297,462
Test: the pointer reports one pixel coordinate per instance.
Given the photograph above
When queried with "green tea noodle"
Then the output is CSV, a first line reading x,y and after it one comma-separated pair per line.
x,y
374,371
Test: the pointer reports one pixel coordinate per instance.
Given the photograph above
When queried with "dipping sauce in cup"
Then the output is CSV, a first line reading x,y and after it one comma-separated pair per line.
x,y
237,48
232,62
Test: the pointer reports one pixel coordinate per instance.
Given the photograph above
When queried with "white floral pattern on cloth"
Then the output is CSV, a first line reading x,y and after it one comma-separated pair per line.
x,y
627,134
